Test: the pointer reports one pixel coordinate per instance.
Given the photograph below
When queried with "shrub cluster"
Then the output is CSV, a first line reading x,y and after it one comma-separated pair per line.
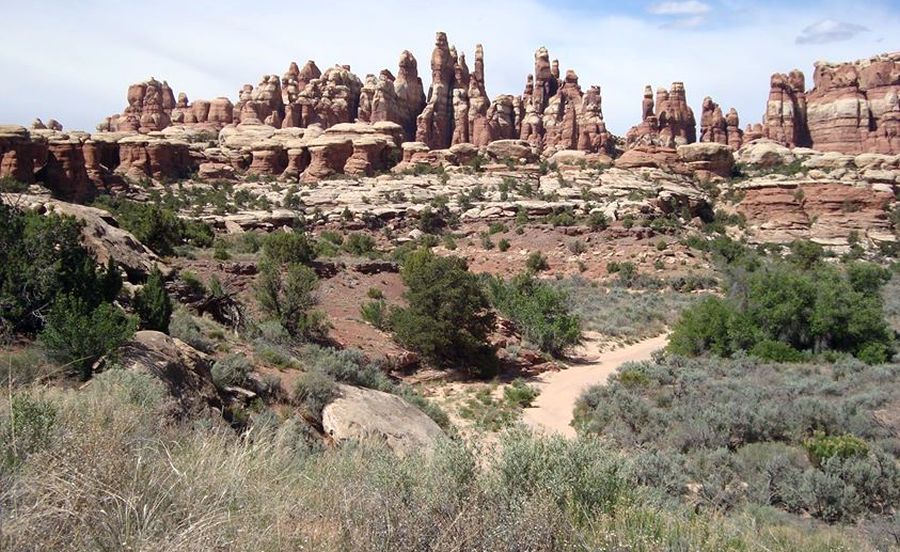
x,y
156,225
727,432
782,309
542,311
448,316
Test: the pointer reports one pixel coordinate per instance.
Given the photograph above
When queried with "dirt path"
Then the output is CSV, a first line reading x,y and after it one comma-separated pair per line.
x,y
551,412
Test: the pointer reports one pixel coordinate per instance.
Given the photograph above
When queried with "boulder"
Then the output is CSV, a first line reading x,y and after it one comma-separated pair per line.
x,y
101,234
183,370
360,414
711,157
764,154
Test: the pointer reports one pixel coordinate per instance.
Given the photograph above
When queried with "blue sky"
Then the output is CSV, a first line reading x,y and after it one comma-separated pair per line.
x,y
74,60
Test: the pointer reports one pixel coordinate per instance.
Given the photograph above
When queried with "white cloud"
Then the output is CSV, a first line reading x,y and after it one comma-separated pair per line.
x,y
829,30
685,22
77,73
686,7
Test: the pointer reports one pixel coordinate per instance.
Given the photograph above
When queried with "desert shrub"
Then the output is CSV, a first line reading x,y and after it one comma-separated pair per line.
x,y
430,221
620,313
359,244
598,221
448,317
77,335
43,258
333,237
520,394
807,311
183,326
821,447
542,312
10,185
577,247
289,298
26,429
152,303
738,429
230,371
375,313
626,273
25,366
313,391
156,225
537,262
503,245
288,247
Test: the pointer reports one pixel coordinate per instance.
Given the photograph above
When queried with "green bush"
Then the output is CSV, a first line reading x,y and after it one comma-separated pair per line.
x,y
822,447
287,295
152,303
157,226
537,262
231,371
313,391
503,245
816,311
776,351
375,313
77,335
358,243
288,247
448,318
520,394
598,221
42,259
542,312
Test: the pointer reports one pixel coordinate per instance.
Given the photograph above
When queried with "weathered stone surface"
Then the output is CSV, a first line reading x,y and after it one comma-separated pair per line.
x,y
670,124
183,370
360,414
709,159
328,156
434,125
854,107
719,128
764,153
825,212
101,233
146,157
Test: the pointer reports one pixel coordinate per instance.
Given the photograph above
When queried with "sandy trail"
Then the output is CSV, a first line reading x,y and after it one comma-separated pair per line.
x,y
551,412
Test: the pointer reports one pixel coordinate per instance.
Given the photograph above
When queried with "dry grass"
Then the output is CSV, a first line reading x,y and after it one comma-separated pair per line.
x,y
117,473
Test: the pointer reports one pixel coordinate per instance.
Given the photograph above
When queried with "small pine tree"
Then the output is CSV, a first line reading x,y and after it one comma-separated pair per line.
x,y
152,303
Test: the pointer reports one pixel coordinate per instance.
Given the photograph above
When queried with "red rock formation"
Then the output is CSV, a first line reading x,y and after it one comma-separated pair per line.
x,y
434,126
479,104
143,157
820,211
719,128
672,123
785,119
397,100
854,107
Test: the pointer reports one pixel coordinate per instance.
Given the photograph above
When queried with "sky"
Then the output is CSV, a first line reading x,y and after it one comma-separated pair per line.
x,y
73,61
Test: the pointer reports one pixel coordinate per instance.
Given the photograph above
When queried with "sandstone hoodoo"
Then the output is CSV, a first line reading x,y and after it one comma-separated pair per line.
x,y
272,128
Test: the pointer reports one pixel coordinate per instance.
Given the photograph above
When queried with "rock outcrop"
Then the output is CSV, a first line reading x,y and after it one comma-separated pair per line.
x,y
399,100
719,128
360,414
557,115
434,126
668,124
183,370
855,107
101,234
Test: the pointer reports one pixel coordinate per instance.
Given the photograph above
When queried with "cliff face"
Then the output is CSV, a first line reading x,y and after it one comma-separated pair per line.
x,y
853,108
